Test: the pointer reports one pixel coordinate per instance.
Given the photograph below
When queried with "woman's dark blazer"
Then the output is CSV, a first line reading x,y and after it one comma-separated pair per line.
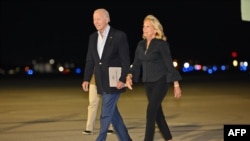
x,y
156,62
115,54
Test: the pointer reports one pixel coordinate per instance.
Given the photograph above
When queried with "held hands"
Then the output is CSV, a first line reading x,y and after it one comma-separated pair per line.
x,y
120,85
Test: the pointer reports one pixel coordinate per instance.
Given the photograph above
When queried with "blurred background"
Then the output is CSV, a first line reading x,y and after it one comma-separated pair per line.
x,y
51,37
42,57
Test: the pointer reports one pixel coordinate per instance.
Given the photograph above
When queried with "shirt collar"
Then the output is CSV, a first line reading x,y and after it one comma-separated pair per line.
x,y
106,31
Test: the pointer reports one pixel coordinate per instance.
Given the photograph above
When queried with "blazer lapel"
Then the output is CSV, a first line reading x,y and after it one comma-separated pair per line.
x,y
95,44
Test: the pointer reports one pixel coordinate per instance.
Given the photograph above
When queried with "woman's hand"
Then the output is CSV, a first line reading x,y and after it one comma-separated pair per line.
x,y
177,92
129,82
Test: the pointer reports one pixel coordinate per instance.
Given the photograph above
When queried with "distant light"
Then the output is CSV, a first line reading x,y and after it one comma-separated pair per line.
x,y
11,71
186,65
26,68
60,69
234,54
52,61
175,64
223,67
235,63
30,72
214,68
243,66
197,67
78,70
245,63
188,69
204,68
210,71
66,71
185,69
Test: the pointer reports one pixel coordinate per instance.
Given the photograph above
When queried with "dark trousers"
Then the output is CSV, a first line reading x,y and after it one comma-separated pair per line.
x,y
111,114
156,91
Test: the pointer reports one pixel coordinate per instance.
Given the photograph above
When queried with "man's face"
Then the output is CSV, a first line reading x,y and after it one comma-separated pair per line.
x,y
100,20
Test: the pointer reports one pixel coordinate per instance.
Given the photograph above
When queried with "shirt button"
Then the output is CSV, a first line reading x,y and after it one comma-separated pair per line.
x,y
100,63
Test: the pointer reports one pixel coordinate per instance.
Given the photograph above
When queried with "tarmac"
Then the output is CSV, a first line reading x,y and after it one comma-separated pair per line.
x,y
55,108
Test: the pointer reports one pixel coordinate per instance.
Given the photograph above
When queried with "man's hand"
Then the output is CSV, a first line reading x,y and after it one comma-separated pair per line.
x,y
120,85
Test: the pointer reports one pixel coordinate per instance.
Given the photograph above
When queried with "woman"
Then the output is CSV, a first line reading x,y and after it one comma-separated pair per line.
x,y
153,54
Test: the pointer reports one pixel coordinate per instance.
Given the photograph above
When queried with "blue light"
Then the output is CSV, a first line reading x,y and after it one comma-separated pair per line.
x,y
215,68
209,71
223,67
188,69
78,70
30,72
243,68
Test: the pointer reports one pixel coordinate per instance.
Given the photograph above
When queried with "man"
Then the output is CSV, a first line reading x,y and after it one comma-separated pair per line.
x,y
108,47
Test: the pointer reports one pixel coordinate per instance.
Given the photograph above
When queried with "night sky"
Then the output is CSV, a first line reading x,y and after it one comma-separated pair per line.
x,y
203,31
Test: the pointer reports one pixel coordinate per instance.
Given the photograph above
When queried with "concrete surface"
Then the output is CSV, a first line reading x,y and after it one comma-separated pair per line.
x,y
55,109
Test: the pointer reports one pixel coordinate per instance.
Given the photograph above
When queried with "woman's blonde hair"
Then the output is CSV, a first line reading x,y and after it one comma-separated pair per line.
x,y
157,26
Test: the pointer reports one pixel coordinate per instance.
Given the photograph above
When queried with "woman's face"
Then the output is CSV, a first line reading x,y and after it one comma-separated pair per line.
x,y
148,30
